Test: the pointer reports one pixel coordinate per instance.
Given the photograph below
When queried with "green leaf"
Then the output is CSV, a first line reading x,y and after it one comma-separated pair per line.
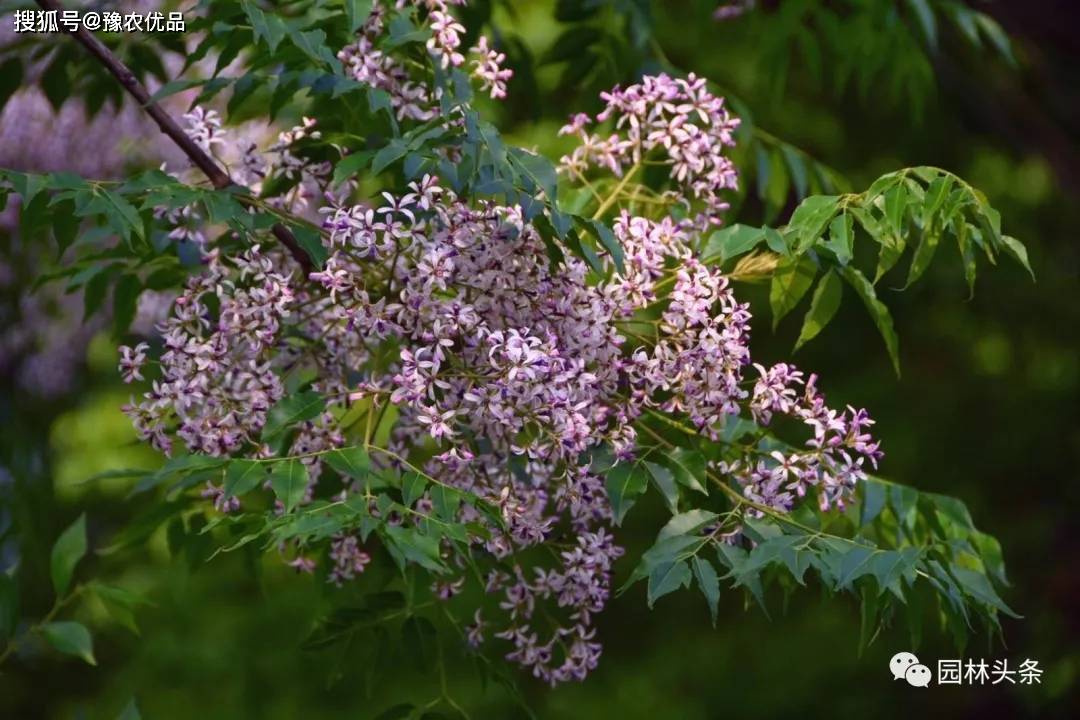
x,y
791,280
823,307
927,21
313,44
408,545
418,636
689,468
1016,249
810,219
392,151
842,238
735,559
978,586
357,12
873,501
291,410
625,484
607,239
967,252
664,480
289,479
413,486
353,462
69,549
349,166
446,501
855,564
666,578
878,312
125,302
936,194
931,237
732,241
709,582
70,638
243,476
686,523
997,36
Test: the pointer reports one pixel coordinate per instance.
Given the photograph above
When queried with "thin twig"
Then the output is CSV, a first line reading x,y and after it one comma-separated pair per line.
x,y
217,176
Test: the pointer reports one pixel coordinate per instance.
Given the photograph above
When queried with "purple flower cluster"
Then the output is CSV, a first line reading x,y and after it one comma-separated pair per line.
x,y
505,369
365,62
836,455
217,370
674,121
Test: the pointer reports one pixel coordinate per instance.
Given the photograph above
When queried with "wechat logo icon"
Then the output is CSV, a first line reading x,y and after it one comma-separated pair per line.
x,y
906,666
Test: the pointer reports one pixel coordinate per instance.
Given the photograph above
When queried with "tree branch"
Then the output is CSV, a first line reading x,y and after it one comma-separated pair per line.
x,y
214,172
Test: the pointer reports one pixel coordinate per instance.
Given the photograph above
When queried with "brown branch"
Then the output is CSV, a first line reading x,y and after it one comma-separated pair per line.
x,y
217,176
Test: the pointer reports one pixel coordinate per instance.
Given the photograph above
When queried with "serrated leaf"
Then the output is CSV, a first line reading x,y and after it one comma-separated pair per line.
x,y
689,468
242,476
853,565
666,578
291,410
289,480
664,480
873,502
413,486
353,462
978,586
823,307
68,550
357,12
70,638
625,483
686,523
709,582
125,302
389,153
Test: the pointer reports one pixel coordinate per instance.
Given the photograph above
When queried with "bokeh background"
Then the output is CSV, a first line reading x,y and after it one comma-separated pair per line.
x,y
987,408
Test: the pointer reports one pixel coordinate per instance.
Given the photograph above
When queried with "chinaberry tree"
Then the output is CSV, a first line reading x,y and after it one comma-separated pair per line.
x,y
397,339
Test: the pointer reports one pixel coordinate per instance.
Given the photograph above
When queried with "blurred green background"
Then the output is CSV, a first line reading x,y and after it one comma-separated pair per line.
x,y
987,410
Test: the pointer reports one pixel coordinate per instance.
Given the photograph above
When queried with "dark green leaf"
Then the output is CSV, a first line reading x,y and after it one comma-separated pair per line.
x,y
664,480
413,486
352,462
689,468
70,638
125,302
709,582
289,479
823,307
666,578
291,410
68,550
242,476
625,484
686,523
